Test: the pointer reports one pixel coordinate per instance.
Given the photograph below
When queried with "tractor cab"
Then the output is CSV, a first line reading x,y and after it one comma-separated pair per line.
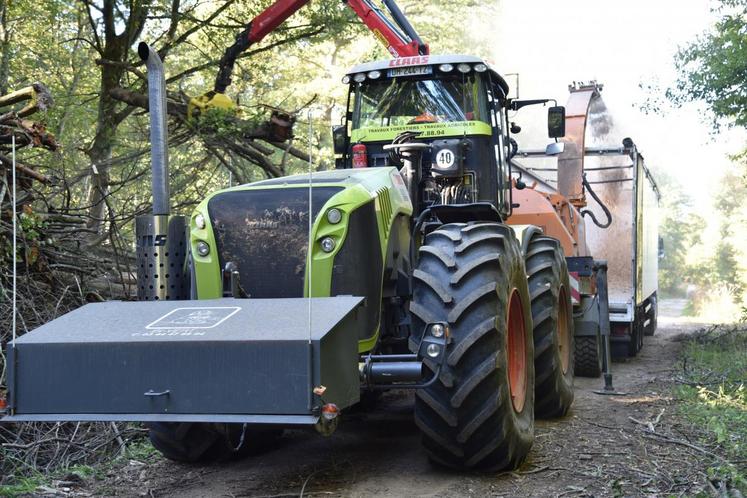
x,y
452,103
455,104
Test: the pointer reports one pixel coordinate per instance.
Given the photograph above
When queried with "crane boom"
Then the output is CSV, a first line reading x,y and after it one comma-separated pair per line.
x,y
397,34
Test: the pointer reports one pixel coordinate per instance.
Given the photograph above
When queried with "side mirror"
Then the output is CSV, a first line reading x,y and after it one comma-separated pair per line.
x,y
339,137
554,148
661,248
556,121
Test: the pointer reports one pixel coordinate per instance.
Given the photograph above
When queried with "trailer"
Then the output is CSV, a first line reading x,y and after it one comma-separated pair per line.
x,y
631,243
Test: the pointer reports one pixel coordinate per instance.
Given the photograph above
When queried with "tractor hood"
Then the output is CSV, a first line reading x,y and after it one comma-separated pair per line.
x,y
263,229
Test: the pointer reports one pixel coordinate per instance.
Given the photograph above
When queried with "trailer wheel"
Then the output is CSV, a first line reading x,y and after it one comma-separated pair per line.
x,y
588,356
637,331
653,315
552,317
479,414
191,442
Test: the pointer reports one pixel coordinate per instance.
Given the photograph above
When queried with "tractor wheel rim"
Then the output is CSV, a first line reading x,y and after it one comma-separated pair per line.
x,y
564,335
516,347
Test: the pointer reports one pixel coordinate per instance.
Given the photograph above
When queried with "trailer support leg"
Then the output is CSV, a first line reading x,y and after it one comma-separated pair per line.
x,y
600,268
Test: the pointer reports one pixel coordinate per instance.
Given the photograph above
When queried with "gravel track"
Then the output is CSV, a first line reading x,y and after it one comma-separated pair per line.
x,y
604,447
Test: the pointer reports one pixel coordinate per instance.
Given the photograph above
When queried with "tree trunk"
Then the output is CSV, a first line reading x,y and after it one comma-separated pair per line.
x,y
100,152
115,48
4,47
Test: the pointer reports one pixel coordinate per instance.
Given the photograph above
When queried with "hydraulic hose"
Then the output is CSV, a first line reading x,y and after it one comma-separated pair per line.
x,y
225,66
395,158
601,204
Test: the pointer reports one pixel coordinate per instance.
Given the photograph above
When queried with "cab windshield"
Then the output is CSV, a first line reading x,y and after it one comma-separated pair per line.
x,y
404,101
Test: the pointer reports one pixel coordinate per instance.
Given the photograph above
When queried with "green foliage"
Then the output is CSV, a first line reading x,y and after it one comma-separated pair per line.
x,y
301,62
680,229
714,67
714,397
142,451
694,256
23,487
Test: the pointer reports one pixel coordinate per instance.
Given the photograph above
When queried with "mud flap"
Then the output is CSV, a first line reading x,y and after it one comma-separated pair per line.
x,y
229,360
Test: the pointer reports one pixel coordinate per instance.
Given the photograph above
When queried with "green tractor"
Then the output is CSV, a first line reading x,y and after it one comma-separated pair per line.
x,y
413,221
397,270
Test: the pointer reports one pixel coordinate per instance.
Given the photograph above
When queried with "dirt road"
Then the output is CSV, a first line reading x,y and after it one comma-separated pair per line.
x,y
597,450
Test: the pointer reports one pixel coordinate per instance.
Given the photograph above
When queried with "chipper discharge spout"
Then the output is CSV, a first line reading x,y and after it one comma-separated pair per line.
x,y
169,358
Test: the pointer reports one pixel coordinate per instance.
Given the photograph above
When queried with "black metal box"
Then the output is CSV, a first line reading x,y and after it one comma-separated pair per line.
x,y
254,360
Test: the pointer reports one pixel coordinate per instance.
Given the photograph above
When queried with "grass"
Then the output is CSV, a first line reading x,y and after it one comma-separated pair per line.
x,y
28,482
714,397
27,485
22,486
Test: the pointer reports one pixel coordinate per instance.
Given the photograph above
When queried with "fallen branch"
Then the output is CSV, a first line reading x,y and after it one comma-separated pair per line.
x,y
664,438
24,170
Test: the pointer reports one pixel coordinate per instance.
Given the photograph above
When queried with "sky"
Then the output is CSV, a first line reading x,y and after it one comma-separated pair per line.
x,y
622,45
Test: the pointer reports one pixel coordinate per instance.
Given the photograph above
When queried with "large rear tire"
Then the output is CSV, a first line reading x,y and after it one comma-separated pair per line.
x,y
552,318
479,414
191,442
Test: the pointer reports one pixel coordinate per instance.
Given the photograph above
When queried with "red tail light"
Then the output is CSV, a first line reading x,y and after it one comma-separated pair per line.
x,y
3,403
360,156
330,411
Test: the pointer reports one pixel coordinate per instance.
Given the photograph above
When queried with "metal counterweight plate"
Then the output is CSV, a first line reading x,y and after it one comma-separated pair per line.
x,y
220,357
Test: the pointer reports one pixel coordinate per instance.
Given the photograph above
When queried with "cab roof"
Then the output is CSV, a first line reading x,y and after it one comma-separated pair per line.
x,y
430,60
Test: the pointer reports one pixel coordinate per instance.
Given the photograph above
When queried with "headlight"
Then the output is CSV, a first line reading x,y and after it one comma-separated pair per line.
x,y
345,79
334,216
359,78
463,68
200,221
445,68
481,68
437,330
374,74
328,244
433,350
203,249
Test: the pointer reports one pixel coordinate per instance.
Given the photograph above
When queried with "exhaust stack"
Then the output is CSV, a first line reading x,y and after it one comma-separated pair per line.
x,y
162,244
159,155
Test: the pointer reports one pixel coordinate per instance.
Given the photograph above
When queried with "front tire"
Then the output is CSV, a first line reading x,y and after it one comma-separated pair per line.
x,y
191,442
552,317
479,414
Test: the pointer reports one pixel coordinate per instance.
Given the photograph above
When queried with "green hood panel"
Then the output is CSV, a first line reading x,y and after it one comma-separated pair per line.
x,y
348,190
